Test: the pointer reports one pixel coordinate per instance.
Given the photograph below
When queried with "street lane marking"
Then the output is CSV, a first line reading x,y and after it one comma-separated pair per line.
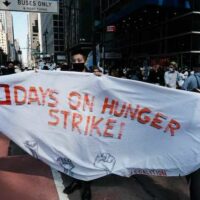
x,y
59,185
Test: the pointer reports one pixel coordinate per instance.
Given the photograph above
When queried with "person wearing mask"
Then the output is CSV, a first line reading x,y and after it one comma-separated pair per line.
x,y
9,69
192,83
171,76
156,75
78,65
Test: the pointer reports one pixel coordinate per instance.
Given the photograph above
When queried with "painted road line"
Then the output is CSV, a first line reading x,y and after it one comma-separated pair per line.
x,y
59,185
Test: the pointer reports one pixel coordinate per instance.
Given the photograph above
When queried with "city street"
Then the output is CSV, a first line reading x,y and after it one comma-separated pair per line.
x,y
95,88
23,177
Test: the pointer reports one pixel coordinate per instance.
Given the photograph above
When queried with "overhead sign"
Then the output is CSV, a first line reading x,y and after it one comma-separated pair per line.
x,y
40,6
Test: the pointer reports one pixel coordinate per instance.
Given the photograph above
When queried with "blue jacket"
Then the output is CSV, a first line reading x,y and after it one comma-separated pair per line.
x,y
192,82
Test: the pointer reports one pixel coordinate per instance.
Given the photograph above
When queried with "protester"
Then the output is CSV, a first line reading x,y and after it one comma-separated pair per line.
x,y
8,69
17,68
171,76
183,75
97,71
192,83
156,75
78,65
2,70
134,73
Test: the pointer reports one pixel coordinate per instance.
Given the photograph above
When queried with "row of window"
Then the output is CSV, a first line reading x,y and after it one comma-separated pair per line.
x,y
155,32
190,42
59,48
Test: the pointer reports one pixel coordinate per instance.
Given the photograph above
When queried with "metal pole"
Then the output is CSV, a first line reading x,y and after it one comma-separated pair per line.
x,y
104,43
93,34
68,33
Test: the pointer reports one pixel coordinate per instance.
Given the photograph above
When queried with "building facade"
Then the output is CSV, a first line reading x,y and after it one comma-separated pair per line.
x,y
79,23
151,32
51,30
33,44
3,39
6,20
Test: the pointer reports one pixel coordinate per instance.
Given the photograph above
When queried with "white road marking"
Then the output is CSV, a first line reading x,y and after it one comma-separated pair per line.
x,y
59,185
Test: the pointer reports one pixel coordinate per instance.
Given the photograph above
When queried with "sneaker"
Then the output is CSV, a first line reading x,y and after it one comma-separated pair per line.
x,y
74,185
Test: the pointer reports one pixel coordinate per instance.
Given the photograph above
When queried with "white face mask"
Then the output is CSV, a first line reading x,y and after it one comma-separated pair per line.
x,y
171,69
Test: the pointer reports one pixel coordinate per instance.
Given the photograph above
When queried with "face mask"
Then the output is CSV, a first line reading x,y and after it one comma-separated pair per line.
x,y
171,69
78,67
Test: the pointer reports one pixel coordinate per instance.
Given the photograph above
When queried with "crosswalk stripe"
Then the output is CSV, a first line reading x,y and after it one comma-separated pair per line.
x,y
59,185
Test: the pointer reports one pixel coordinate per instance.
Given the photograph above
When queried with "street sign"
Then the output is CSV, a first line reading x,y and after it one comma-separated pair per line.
x,y
111,28
40,6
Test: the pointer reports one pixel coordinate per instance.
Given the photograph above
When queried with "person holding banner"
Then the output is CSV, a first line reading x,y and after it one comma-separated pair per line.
x,y
78,65
78,62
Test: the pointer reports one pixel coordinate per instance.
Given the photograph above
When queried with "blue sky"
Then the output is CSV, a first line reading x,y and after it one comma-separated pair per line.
x,y
21,31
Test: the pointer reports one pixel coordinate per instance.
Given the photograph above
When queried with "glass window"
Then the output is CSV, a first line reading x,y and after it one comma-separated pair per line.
x,y
181,25
178,44
55,23
195,4
61,48
55,17
61,36
196,22
56,48
195,42
56,36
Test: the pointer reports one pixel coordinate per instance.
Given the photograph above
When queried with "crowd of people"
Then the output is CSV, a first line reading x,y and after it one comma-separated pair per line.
x,y
171,76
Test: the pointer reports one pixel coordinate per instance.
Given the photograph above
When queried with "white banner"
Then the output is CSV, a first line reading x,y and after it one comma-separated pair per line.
x,y
88,126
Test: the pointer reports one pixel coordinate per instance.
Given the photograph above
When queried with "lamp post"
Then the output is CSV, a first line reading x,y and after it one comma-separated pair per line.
x,y
45,39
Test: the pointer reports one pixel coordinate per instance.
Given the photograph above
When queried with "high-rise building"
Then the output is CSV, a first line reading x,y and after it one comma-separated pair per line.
x,y
51,34
33,44
10,35
151,32
7,24
3,39
46,33
3,19
79,22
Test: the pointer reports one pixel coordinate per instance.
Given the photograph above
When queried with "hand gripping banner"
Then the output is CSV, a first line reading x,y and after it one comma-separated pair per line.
x,y
89,127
